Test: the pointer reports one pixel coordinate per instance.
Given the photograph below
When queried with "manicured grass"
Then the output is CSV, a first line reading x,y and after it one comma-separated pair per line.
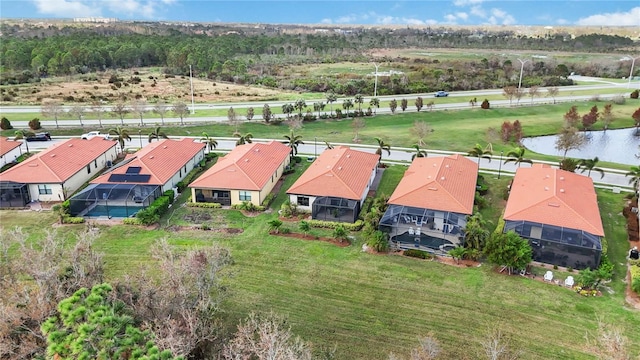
x,y
369,305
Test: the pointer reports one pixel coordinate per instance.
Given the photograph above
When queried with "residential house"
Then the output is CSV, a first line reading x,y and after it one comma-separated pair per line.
x,y
336,184
428,209
557,212
9,151
248,173
139,179
55,173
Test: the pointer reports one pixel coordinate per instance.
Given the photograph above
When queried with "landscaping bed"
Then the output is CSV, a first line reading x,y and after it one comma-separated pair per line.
x,y
311,237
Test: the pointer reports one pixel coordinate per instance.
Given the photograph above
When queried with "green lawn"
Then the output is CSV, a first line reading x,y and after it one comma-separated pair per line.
x,y
368,305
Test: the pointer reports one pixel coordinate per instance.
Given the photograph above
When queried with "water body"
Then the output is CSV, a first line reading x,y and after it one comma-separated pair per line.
x,y
619,146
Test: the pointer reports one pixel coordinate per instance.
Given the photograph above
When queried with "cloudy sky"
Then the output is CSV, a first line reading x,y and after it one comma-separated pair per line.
x,y
408,12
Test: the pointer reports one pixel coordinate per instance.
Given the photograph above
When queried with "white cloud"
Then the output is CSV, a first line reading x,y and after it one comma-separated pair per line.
x,y
630,18
562,21
66,8
116,8
450,18
467,2
377,19
500,17
462,15
478,11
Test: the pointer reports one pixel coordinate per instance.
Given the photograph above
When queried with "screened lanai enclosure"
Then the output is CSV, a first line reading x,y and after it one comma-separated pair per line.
x,y
329,208
559,245
113,200
423,229
13,194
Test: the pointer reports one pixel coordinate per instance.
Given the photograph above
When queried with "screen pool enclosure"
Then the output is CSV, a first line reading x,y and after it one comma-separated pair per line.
x,y
113,200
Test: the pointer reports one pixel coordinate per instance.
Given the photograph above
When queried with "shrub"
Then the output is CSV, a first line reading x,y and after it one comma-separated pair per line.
x,y
480,201
485,104
204,205
634,94
569,269
153,212
73,220
171,195
5,124
635,285
131,221
379,241
618,100
267,200
34,124
247,206
288,209
356,226
417,254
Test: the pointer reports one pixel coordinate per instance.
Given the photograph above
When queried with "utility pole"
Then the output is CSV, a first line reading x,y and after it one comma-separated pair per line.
x,y
500,163
193,108
633,62
521,69
375,86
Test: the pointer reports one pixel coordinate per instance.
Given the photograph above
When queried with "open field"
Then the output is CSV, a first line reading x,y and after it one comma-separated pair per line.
x,y
369,305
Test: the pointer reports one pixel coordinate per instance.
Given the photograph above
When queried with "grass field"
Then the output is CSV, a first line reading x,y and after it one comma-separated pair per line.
x,y
369,305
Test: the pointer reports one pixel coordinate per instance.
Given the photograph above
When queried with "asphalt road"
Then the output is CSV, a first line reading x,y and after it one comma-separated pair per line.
x,y
613,178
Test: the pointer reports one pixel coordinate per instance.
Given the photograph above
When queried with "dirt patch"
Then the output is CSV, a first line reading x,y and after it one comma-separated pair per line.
x,y
460,263
312,238
178,228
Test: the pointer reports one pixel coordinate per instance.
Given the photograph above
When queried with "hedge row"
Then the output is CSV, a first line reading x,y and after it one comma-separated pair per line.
x,y
153,212
72,220
248,206
417,254
356,226
635,278
204,205
131,221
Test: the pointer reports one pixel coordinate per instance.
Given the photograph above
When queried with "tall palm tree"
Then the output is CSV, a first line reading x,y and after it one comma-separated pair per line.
x,y
375,103
480,153
121,135
209,141
23,135
331,98
382,146
419,152
590,165
300,105
347,104
244,139
517,156
635,177
358,99
287,109
293,141
157,134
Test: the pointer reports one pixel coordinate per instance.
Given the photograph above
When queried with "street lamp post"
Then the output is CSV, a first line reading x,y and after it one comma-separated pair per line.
x,y
140,137
315,147
500,164
633,62
375,84
193,108
522,62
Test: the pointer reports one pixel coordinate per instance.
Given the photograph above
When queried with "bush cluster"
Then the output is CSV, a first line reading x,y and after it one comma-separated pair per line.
x,y
73,220
5,124
356,226
417,254
268,200
248,206
131,221
153,212
34,124
635,277
204,205
634,94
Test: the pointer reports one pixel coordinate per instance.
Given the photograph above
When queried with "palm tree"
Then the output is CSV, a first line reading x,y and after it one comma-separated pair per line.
x,y
293,141
209,141
275,225
300,105
244,139
419,152
287,109
517,156
480,153
347,104
157,134
121,134
331,98
635,177
358,99
382,146
590,165
23,134
375,103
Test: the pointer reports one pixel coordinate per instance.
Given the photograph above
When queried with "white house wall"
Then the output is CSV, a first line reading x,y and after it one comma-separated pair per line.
x,y
294,200
180,175
10,156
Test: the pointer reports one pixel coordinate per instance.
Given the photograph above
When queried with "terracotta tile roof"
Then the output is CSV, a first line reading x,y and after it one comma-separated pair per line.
x,y
59,162
552,196
339,172
6,145
246,167
161,159
439,183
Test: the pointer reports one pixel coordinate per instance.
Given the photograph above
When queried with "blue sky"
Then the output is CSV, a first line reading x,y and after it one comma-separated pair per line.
x,y
411,12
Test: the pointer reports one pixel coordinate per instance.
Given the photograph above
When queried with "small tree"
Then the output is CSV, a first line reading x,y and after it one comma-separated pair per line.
x,y
508,250
375,103
590,118
210,142
636,118
553,92
485,104
161,108
419,103
5,124
120,109
509,92
181,110
572,117
274,225
304,227
607,116
250,113
266,113
404,103
634,94
78,111
34,124
157,134
96,108
139,107
569,139
52,108
457,253
232,117
421,129
534,91
393,105
357,125
340,233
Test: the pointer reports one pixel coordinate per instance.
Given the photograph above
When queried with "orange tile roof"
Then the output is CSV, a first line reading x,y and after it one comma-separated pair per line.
x,y
6,145
246,167
339,172
439,183
552,196
58,163
161,159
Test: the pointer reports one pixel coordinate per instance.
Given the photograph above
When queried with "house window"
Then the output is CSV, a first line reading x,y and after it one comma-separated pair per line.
x,y
245,196
89,169
95,162
303,200
44,190
180,173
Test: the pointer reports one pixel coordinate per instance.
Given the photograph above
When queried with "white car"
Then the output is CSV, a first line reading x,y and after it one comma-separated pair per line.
x,y
91,134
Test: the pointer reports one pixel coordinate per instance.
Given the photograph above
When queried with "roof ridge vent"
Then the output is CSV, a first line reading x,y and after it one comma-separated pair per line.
x,y
151,157
164,147
553,204
432,188
53,155
442,178
339,167
70,145
562,178
546,188
561,190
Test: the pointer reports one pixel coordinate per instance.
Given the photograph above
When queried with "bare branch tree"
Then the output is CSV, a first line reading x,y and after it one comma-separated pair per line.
x,y
52,108
139,107
421,129
120,109
78,111
97,109
609,343
357,124
496,346
553,92
181,109
161,108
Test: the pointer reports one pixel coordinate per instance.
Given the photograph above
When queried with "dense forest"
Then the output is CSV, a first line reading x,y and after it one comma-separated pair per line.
x,y
261,56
